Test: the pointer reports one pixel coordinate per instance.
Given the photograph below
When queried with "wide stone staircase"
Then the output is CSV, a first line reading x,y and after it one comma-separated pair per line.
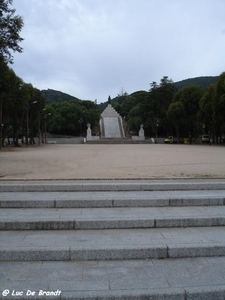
x,y
118,141
112,239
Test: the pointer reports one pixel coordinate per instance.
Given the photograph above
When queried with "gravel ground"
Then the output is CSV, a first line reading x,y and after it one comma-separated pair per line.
x,y
83,161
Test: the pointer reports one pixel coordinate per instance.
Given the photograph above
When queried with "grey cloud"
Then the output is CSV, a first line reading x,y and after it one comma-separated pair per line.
x,y
92,48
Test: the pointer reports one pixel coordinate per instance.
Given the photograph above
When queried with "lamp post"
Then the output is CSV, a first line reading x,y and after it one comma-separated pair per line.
x,y
156,128
39,129
27,133
42,131
46,127
209,121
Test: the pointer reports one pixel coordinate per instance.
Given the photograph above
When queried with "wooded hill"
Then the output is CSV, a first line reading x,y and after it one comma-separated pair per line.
x,y
203,82
57,96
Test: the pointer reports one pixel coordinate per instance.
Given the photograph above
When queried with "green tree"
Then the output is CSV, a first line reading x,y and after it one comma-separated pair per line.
x,y
176,115
4,89
136,111
219,107
10,27
190,98
206,105
12,108
9,87
71,117
134,118
20,107
36,113
160,97
67,113
121,103
90,113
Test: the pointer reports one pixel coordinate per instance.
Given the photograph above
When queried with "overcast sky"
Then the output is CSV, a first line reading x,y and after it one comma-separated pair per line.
x,y
91,49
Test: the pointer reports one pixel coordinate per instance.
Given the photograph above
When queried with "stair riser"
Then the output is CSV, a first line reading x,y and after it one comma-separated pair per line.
x,y
112,187
101,257
148,252
209,201
112,224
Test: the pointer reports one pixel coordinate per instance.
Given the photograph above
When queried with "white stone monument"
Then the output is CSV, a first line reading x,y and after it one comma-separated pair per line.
x,y
89,135
111,123
141,133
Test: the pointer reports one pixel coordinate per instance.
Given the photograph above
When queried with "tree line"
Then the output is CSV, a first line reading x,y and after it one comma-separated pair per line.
x,y
164,110
25,113
72,117
23,109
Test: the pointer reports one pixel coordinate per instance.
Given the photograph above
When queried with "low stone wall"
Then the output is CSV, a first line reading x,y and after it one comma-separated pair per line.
x,y
75,140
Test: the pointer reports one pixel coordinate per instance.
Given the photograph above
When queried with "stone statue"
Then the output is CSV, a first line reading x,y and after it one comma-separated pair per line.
x,y
109,100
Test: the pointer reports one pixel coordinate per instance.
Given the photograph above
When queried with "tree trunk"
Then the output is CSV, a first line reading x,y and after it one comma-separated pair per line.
x,y
177,133
1,137
42,137
16,143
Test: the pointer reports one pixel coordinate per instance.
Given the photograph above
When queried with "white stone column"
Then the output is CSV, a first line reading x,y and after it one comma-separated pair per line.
x,y
141,133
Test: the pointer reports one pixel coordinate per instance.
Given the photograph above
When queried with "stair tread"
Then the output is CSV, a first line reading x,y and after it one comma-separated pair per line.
x,y
111,199
111,195
115,213
166,260
131,278
112,237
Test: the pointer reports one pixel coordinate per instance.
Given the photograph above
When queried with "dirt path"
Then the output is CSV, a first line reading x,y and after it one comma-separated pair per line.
x,y
112,161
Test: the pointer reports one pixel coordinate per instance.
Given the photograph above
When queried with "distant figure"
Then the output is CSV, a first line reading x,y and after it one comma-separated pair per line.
x,y
109,100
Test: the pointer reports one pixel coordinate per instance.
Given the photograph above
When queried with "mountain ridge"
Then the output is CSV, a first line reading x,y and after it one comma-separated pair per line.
x,y
202,81
58,96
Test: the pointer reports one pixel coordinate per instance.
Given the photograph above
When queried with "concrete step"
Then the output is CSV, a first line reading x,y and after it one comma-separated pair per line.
x,y
110,218
153,279
155,240
111,244
111,199
111,185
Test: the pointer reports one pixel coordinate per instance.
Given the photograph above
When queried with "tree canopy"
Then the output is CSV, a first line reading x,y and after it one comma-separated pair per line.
x,y
21,104
187,112
10,27
71,117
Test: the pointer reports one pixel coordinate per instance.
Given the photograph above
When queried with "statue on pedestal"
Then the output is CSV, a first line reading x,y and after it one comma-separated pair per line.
x,y
89,135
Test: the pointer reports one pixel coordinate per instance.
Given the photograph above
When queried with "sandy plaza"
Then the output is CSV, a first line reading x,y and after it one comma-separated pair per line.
x,y
138,161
